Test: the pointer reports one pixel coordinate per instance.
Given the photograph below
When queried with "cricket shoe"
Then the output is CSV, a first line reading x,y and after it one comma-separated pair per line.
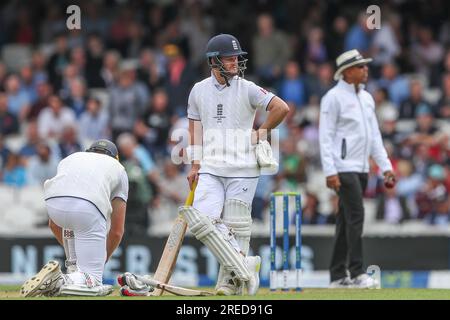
x,y
230,286
364,281
343,283
254,264
46,282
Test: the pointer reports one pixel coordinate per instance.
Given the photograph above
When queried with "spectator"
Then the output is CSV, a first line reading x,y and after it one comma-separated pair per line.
x,y
321,82
391,208
23,30
54,118
409,183
198,27
426,54
41,166
292,87
446,62
93,20
443,105
428,135
78,59
68,143
135,40
94,61
38,65
132,151
110,69
118,30
432,200
93,123
75,39
70,74
311,214
383,107
181,76
27,83
316,51
44,91
270,51
150,71
336,37
53,25
154,126
174,35
388,128
18,100
396,85
293,164
77,97
139,197
3,74
14,172
4,153
28,149
408,106
127,103
174,189
154,22
58,60
359,36
8,122
385,46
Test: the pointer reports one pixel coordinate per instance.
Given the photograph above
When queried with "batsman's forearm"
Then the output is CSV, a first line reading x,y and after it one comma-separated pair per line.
x,y
278,110
112,242
273,120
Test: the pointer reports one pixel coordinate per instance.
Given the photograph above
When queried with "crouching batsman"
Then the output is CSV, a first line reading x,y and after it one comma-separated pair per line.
x,y
87,195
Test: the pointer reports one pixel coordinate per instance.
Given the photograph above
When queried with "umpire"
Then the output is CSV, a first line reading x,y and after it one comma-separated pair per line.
x,y
349,135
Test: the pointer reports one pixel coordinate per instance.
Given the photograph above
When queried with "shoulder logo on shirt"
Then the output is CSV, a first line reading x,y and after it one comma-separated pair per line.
x,y
220,115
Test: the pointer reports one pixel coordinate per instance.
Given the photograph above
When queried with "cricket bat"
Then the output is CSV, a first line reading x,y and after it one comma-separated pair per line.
x,y
178,291
169,256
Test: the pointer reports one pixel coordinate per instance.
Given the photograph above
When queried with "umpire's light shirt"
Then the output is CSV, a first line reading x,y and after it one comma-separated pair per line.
x,y
349,132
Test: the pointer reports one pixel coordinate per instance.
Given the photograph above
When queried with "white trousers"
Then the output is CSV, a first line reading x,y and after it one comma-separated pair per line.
x,y
212,192
89,228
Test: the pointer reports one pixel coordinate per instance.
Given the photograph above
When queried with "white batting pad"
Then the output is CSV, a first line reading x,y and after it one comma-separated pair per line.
x,y
203,229
83,290
237,216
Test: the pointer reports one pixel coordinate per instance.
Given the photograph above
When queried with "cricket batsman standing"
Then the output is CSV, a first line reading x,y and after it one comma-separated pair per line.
x,y
226,156
89,190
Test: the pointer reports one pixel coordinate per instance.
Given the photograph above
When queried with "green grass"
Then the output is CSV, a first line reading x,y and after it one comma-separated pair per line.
x,y
12,292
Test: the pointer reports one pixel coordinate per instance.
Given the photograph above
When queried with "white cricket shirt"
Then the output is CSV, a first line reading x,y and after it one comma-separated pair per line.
x,y
94,177
227,115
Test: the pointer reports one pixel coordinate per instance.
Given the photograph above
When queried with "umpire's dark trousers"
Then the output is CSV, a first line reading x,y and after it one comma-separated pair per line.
x,y
347,250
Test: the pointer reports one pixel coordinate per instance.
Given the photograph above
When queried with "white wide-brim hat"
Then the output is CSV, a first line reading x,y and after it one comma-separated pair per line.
x,y
349,59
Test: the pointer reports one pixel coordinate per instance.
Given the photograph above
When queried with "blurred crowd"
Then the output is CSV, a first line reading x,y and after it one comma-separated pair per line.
x,y
126,76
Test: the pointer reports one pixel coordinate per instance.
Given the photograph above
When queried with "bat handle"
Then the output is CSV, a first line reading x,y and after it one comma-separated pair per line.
x,y
190,197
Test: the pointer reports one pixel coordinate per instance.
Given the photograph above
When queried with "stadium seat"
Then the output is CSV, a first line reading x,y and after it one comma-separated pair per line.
x,y
32,197
16,56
